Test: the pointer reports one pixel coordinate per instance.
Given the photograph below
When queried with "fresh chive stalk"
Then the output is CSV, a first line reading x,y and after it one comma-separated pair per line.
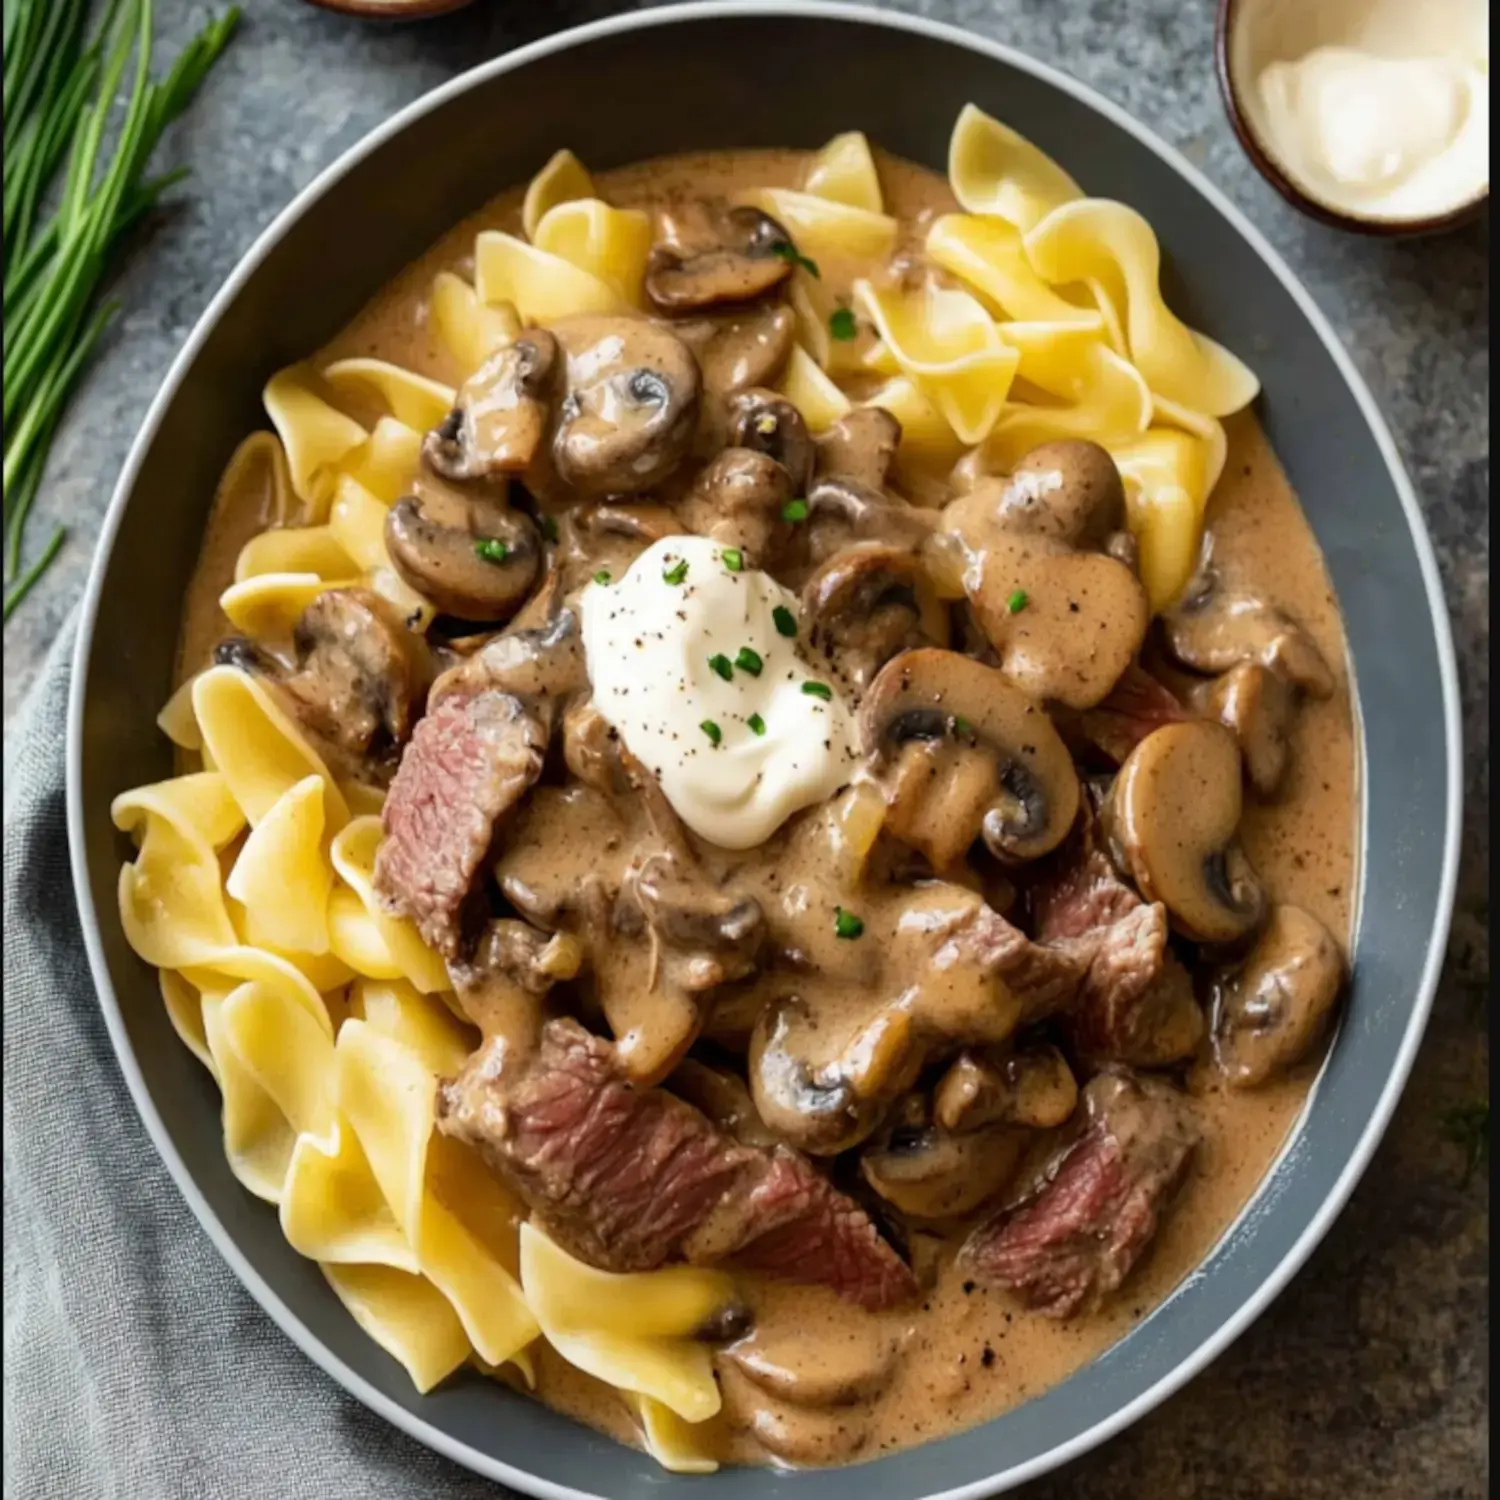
x,y
63,81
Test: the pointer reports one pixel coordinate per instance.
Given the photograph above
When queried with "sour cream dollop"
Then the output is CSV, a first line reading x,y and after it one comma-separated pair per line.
x,y
673,649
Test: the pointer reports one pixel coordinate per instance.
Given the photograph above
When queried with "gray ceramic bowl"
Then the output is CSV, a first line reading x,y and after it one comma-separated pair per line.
x,y
695,77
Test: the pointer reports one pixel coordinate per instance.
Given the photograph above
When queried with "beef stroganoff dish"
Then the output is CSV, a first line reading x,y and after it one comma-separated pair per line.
x,y
765,835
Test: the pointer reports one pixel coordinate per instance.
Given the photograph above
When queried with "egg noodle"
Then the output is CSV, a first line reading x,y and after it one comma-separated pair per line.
x,y
324,1020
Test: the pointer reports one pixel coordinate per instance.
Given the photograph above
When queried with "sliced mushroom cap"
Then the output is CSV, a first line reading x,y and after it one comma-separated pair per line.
x,y
930,1173
609,535
738,499
1174,815
1258,707
473,556
630,407
865,605
539,657
736,351
783,1362
1271,1011
717,255
861,446
500,418
1034,1087
706,937
1065,625
808,1104
1215,627
842,511
512,967
1069,490
360,682
770,424
966,754
724,1097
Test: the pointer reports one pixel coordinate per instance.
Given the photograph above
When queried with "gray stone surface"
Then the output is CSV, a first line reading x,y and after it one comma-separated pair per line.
x,y
1369,1376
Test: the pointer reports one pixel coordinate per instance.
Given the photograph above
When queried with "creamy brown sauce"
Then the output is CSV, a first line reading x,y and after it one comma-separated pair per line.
x,y
963,1354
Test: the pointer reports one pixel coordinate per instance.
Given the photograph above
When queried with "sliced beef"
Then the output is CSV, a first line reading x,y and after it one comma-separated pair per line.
x,y
1137,704
1044,977
1136,1003
470,760
798,1220
631,1179
1076,1236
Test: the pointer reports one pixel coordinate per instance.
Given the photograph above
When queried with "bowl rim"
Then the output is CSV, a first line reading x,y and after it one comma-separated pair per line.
x,y
1264,160
1201,1355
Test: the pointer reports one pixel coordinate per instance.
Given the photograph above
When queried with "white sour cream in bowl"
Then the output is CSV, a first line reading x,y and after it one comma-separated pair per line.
x,y
1375,111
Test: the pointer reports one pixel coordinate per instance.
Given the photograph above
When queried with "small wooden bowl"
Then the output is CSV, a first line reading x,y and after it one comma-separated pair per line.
x,y
391,10
1265,161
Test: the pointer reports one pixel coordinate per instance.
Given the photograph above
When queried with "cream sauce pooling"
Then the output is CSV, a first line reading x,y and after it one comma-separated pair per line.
x,y
965,1354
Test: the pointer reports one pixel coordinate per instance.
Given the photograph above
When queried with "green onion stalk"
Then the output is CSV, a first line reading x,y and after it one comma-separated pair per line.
x,y
74,189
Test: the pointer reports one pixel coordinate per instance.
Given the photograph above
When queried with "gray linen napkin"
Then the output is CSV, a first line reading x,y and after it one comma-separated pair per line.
x,y
136,1367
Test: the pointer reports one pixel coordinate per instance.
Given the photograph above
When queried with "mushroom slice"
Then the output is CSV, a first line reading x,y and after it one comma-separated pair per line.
x,y
1269,1013
867,604
841,511
539,657
705,938
1214,628
720,255
513,965
812,1107
500,418
770,424
630,408
783,1362
964,753
861,446
1069,490
473,556
738,500
1034,1087
1065,625
360,682
930,1173
1174,814
1257,706
724,1098
743,349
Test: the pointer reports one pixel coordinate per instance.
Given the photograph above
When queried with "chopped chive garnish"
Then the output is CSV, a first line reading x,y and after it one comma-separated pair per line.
x,y
961,725
712,730
818,690
734,559
677,572
842,324
549,528
756,723
794,511
785,621
722,665
788,251
765,424
491,550
846,924
603,576
748,661
1018,601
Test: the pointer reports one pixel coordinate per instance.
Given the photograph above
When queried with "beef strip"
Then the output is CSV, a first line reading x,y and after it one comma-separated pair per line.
x,y
631,1179
1074,1239
470,760
1137,704
1136,1003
